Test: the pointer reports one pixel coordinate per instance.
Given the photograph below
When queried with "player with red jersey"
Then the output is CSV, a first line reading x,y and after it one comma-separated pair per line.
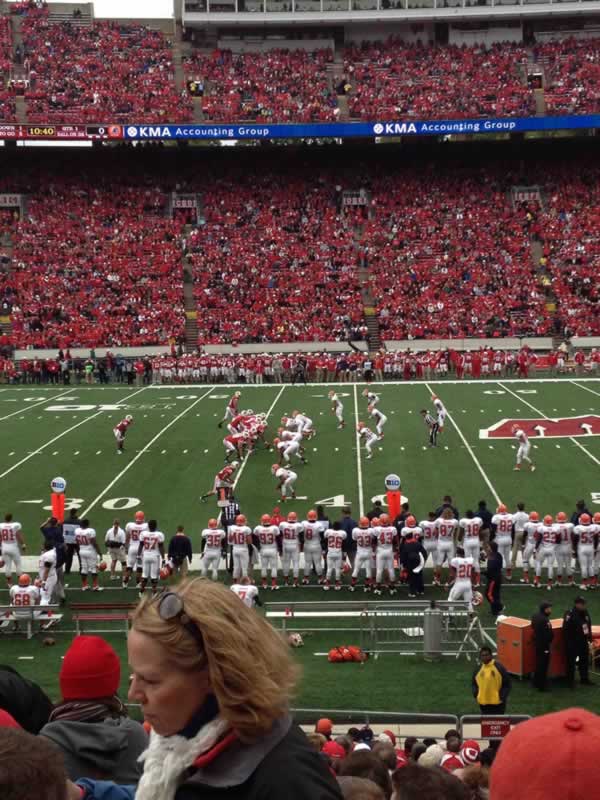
x,y
120,431
232,408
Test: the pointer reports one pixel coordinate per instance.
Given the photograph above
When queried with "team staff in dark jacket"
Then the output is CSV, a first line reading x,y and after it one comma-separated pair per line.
x,y
577,630
413,556
543,635
214,681
494,579
180,552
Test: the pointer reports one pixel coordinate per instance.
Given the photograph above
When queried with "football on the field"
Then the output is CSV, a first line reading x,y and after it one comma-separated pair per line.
x,y
295,640
48,641
477,598
102,566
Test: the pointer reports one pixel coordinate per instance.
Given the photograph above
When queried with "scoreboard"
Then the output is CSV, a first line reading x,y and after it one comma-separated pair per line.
x,y
61,132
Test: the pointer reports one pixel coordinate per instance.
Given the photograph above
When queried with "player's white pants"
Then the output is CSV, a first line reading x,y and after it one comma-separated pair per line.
x,y
431,548
210,561
230,413
523,453
151,567
288,486
462,591
241,560
293,449
12,559
545,558
290,559
133,559
120,437
229,447
313,557
528,551
441,419
363,560
563,560
339,412
46,594
505,549
445,552
380,423
585,556
472,549
334,564
372,440
268,561
385,561
89,561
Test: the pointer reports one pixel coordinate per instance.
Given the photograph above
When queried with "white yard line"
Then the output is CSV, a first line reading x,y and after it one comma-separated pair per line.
x,y
545,416
245,460
60,435
579,386
450,382
144,449
361,499
469,449
37,403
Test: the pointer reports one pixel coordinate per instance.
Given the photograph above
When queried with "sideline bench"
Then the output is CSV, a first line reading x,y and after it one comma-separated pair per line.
x,y
85,614
11,618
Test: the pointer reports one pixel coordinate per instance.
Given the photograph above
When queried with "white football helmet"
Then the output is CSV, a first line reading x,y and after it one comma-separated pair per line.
x,y
129,418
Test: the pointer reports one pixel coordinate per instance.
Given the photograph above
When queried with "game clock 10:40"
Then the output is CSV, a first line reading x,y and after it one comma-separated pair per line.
x,y
42,131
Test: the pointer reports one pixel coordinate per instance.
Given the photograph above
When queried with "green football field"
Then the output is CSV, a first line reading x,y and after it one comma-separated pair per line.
x,y
174,449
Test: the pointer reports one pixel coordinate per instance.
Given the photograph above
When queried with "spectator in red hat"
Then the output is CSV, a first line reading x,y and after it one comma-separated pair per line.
x,y
452,760
572,772
325,727
90,725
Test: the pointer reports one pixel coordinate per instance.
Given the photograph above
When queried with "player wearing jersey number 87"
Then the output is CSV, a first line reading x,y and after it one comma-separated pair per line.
x,y
445,527
152,552
89,555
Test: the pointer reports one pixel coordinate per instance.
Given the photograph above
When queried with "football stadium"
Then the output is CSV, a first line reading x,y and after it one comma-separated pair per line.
x,y
299,399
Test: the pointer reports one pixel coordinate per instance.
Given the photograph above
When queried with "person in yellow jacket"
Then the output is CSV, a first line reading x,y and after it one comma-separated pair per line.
x,y
491,684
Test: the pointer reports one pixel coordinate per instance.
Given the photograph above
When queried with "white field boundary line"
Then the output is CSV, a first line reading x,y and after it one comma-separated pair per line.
x,y
37,403
521,399
144,449
269,412
338,384
585,388
60,435
361,500
476,461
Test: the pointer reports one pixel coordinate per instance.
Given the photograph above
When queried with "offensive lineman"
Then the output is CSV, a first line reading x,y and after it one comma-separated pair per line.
x,y
120,430
287,479
23,596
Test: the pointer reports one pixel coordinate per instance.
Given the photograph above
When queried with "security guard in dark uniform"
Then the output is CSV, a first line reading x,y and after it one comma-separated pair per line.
x,y
577,630
543,635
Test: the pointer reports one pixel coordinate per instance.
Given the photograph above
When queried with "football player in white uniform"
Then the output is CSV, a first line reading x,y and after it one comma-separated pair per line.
x,y
239,537
520,519
12,545
440,410
212,539
290,447
380,419
334,538
564,549
287,480
585,536
267,534
462,570
89,555
338,409
114,542
363,536
503,526
446,527
247,593
387,536
133,531
524,448
23,596
368,436
304,423
48,577
430,540
290,531
152,552
471,526
531,541
372,398
546,551
313,546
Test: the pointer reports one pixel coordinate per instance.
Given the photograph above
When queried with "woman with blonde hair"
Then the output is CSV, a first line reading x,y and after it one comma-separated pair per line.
x,y
214,681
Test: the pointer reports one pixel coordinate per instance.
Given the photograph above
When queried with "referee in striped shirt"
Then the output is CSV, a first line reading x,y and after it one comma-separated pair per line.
x,y
433,426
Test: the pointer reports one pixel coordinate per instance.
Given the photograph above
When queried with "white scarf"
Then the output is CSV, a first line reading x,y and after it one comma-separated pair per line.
x,y
168,757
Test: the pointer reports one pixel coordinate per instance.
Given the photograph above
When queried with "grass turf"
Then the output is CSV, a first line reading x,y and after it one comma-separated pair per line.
x,y
174,449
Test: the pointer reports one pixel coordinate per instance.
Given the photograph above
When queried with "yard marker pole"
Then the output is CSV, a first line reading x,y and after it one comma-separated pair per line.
x,y
144,449
245,461
471,453
545,416
60,435
361,502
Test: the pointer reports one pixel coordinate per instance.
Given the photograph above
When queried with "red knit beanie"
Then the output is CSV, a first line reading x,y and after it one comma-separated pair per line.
x,y
90,669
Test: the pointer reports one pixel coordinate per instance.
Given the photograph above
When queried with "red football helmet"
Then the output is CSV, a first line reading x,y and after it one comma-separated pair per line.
x,y
411,522
363,522
24,579
585,519
597,517
139,516
561,517
384,519
548,519
501,509
240,519
312,515
292,517
534,516
265,519
212,523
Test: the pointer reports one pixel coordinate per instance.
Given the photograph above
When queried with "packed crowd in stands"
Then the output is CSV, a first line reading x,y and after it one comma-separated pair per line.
x,y
392,79
116,73
95,266
572,69
276,86
7,100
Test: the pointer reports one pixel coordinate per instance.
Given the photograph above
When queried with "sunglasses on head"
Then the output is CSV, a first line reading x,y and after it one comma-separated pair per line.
x,y
171,608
